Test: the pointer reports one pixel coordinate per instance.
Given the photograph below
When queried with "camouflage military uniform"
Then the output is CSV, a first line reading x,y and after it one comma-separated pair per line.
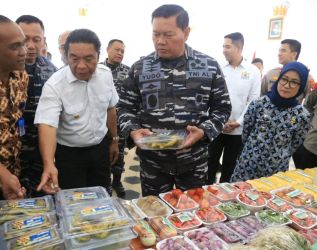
x,y
119,73
31,162
162,94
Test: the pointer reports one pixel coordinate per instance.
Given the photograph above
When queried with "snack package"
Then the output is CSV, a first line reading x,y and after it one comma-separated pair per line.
x,y
152,206
132,209
178,201
145,233
163,227
162,140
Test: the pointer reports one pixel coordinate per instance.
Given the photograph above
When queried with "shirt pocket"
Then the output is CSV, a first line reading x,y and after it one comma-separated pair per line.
x,y
74,113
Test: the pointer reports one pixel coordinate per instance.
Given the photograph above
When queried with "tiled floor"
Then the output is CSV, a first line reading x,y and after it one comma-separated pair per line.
x,y
131,176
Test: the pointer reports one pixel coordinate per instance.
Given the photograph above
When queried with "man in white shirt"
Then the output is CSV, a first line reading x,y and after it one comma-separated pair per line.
x,y
244,83
74,114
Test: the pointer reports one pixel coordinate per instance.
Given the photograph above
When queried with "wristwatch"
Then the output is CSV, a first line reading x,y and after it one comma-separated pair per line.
x,y
116,138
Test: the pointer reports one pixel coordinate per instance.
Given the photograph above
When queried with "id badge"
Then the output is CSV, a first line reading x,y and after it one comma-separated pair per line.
x,y
21,127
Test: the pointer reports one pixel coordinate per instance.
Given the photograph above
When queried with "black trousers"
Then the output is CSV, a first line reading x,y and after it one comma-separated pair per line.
x,y
303,158
84,167
230,146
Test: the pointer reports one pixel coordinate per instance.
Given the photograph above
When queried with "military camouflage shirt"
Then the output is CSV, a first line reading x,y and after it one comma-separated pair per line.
x,y
119,73
13,98
163,95
38,75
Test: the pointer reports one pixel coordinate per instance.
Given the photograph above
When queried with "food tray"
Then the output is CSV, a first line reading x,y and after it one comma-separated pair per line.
x,y
184,221
162,140
132,209
241,229
233,210
252,222
202,197
210,215
294,197
272,218
227,234
278,205
182,202
223,191
163,227
302,219
181,241
252,196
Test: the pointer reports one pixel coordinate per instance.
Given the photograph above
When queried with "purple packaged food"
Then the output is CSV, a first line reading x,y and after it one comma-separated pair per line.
x,y
241,229
252,222
226,233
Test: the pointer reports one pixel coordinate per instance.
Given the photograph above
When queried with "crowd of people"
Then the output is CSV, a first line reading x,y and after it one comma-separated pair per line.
x,y
68,127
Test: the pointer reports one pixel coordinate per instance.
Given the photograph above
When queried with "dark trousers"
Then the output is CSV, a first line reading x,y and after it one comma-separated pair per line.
x,y
230,146
84,167
303,158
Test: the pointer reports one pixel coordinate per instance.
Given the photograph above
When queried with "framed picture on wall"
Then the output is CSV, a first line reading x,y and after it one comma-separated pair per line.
x,y
276,28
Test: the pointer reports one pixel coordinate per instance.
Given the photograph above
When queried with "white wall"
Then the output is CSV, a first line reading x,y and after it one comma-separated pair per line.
x,y
210,21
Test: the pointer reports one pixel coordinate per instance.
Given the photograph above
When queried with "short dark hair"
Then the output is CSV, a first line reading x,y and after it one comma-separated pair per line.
x,y
115,40
257,60
83,36
30,19
4,19
168,10
237,39
294,45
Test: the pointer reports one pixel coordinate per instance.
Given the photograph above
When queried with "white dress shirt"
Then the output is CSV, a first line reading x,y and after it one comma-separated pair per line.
x,y
78,109
244,85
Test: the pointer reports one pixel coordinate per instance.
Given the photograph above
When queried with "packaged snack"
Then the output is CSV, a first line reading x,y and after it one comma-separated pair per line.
x,y
20,226
177,242
37,239
202,197
132,209
206,239
294,196
302,219
163,227
233,210
162,139
272,218
145,233
184,221
152,206
210,215
178,201
223,191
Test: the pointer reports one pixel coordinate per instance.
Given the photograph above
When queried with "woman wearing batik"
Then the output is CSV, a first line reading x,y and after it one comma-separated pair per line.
x,y
274,126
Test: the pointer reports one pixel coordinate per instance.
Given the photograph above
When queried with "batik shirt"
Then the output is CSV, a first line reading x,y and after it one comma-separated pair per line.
x,y
270,136
159,94
13,98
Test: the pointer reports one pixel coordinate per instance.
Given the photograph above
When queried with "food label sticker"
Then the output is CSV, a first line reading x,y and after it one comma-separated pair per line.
x,y
35,238
97,210
183,217
294,193
36,221
265,181
26,204
301,215
146,226
227,187
285,178
303,174
166,222
278,202
84,196
310,187
252,196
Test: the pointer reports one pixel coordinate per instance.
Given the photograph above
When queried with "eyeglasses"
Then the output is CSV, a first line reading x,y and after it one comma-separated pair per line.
x,y
291,83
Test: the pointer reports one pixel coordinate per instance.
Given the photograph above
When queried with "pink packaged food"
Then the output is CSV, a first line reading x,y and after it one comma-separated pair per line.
x,y
241,229
226,234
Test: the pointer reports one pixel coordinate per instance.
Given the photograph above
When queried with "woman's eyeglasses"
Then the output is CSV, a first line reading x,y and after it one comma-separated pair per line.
x,y
291,83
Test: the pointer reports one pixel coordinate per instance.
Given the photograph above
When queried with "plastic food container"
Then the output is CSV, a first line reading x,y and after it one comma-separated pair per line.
x,y
115,239
152,206
294,196
21,226
163,227
202,197
272,218
252,200
39,239
242,185
233,210
69,197
312,208
241,229
226,233
252,222
206,239
210,215
278,205
145,233
95,217
178,202
309,234
132,209
162,140
184,221
302,219
223,191
177,242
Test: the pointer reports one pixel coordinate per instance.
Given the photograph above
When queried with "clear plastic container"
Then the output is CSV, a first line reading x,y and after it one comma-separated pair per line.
x,y
302,219
106,240
233,210
226,233
27,206
69,197
96,217
184,221
278,205
223,191
48,238
22,225
242,185
252,200
272,218
132,209
177,242
252,222
294,196
241,229
163,227
145,233
182,202
152,206
210,215
201,196
206,239
162,140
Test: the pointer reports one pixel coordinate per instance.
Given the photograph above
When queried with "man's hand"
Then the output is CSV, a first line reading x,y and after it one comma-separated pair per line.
x,y
11,187
230,126
194,135
113,152
137,134
49,180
